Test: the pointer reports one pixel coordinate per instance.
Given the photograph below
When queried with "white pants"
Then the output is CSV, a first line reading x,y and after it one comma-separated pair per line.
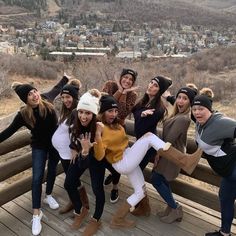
x,y
129,164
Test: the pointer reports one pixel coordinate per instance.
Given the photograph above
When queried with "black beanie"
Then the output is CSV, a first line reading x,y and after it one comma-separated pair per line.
x,y
189,92
131,72
22,90
164,83
71,90
107,102
203,100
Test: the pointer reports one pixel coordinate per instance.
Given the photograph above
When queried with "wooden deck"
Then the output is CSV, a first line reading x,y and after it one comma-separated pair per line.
x,y
15,216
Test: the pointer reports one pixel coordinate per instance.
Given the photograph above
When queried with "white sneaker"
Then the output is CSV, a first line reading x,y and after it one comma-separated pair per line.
x,y
36,224
51,202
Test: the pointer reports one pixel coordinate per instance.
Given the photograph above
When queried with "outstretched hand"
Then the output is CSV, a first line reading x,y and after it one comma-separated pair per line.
x,y
147,112
85,142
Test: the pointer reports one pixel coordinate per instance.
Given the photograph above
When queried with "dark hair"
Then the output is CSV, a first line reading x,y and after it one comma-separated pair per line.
x,y
65,112
115,125
76,128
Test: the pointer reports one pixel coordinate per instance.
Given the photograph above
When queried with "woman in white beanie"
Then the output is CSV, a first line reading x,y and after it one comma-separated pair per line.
x,y
83,126
39,116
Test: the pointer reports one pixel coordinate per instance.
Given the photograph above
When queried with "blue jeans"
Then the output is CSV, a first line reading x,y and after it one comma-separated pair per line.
x,y
227,196
39,158
162,186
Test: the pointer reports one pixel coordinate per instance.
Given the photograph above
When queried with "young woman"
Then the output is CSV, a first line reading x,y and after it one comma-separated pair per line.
x,y
61,139
124,92
148,112
38,115
220,151
175,129
82,129
112,144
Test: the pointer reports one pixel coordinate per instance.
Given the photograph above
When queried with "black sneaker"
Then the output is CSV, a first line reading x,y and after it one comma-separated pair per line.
x,y
108,180
114,196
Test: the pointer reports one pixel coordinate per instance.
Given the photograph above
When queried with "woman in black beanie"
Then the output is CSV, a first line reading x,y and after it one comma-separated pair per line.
x,y
112,145
124,91
175,128
148,112
215,134
39,116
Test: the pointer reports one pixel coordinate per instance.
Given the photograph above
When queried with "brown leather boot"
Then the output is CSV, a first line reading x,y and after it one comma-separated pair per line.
x,y
187,162
79,218
83,197
68,207
143,208
118,220
165,212
174,215
92,227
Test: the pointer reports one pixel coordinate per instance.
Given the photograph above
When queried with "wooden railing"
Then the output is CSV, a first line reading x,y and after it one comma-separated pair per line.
x,y
179,186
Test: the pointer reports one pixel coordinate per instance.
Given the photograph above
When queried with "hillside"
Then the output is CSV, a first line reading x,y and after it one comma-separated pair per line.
x,y
209,13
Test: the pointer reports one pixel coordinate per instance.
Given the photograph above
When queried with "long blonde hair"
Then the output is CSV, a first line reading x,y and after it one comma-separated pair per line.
x,y
28,113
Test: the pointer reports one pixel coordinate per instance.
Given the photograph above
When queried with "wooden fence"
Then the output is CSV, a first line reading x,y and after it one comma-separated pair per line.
x,y
181,187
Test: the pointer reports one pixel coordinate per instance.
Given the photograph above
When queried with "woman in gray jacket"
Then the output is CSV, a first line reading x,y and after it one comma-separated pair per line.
x,y
175,130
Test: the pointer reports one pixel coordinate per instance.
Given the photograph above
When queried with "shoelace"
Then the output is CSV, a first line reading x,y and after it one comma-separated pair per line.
x,y
43,216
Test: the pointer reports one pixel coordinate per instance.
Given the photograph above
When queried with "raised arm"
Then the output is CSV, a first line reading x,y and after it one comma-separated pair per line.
x,y
52,94
17,123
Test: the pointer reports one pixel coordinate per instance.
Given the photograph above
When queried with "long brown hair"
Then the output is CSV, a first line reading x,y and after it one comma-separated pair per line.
x,y
28,113
155,103
65,112
116,124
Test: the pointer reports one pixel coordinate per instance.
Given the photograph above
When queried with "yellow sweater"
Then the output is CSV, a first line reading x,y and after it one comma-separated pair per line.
x,y
112,144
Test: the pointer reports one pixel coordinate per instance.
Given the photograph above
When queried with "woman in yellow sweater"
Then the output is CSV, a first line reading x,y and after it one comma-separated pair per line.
x,y
112,144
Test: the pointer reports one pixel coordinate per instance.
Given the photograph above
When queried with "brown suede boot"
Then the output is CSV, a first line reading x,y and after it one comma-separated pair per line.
x,y
174,215
68,207
118,220
84,197
92,227
79,218
165,212
143,208
187,162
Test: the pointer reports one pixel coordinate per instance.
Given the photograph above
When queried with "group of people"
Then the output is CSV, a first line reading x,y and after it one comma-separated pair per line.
x,y
90,133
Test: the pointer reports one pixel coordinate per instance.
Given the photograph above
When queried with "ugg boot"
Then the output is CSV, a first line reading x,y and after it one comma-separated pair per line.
x,y
165,212
118,220
84,197
92,227
187,162
68,207
78,220
143,208
174,215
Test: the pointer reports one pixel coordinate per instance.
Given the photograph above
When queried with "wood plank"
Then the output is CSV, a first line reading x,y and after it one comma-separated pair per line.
x,y
25,216
51,220
12,222
4,231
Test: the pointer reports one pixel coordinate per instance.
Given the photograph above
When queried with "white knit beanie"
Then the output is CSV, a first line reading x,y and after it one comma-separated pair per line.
x,y
88,102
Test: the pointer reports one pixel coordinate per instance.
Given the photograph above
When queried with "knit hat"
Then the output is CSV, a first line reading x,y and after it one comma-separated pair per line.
x,y
131,72
107,102
203,100
163,82
22,90
88,102
189,92
71,90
